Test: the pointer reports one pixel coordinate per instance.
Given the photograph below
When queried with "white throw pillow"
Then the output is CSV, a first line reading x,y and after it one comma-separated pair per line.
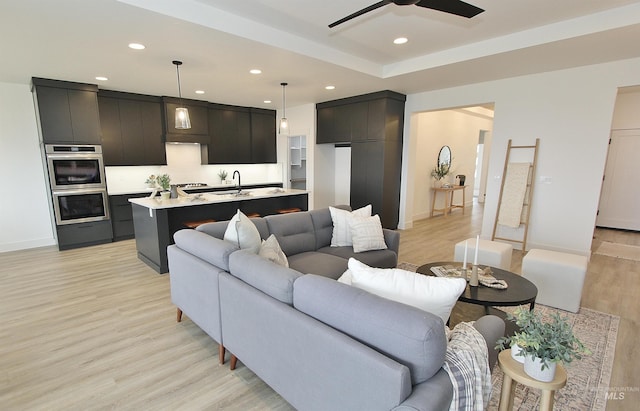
x,y
270,249
242,232
366,234
436,295
341,230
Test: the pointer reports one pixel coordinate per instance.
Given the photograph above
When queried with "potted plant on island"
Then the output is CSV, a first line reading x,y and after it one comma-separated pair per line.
x,y
164,181
223,176
543,344
151,181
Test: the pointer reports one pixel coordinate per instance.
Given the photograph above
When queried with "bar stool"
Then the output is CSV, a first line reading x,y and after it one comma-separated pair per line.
x,y
194,224
289,210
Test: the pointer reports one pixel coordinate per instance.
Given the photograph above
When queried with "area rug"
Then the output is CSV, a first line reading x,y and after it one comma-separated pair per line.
x,y
587,379
627,252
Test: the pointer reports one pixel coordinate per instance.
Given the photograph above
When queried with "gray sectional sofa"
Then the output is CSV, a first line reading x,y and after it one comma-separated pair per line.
x,y
319,343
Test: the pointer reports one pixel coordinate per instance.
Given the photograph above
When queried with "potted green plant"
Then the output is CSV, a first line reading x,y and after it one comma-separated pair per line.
x,y
543,344
151,181
440,171
223,176
164,181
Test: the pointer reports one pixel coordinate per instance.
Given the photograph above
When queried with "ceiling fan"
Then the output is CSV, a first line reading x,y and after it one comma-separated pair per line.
x,y
457,7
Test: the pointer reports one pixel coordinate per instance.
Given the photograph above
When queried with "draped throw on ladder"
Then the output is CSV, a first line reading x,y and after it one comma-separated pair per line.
x,y
515,187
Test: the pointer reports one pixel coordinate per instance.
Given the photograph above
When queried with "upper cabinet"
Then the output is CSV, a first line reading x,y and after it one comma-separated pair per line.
x,y
68,112
230,134
263,136
198,114
131,129
241,135
369,117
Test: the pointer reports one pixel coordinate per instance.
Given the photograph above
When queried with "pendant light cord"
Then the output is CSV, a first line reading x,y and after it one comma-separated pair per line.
x,y
284,100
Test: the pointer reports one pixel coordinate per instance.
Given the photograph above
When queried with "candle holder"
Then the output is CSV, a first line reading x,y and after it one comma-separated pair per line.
x,y
473,281
463,273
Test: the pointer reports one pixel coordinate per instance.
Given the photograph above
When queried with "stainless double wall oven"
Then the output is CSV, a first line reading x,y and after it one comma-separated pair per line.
x,y
78,183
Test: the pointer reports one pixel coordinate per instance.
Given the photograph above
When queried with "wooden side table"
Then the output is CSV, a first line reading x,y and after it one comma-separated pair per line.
x,y
513,370
448,199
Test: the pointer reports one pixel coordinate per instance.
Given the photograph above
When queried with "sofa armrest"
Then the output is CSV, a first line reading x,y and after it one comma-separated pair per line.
x,y
491,327
210,249
435,394
392,239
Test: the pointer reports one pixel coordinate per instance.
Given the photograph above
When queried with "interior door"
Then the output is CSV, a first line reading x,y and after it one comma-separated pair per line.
x,y
620,195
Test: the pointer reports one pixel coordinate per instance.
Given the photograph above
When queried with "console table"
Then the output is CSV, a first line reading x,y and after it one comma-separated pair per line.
x,y
448,199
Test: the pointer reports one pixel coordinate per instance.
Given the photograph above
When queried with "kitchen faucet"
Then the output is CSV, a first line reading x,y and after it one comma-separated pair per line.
x,y
239,183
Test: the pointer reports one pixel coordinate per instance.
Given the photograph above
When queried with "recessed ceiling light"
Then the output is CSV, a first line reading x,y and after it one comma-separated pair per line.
x,y
255,71
136,46
330,87
101,78
199,91
400,40
267,101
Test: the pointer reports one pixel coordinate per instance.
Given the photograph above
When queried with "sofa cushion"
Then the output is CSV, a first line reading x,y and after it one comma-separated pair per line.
x,y
210,249
218,228
436,295
268,277
406,334
294,232
341,229
374,258
323,225
270,249
366,233
322,264
242,232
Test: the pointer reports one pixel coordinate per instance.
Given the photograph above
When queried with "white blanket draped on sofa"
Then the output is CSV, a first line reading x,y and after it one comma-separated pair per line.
x,y
467,364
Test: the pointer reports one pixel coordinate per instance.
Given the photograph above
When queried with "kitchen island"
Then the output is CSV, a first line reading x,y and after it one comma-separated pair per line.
x,y
156,220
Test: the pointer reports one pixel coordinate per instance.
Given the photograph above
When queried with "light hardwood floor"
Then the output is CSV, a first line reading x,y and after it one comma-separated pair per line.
x,y
94,328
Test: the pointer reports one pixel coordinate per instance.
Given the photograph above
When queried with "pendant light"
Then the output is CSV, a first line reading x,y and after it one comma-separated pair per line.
x,y
284,124
182,114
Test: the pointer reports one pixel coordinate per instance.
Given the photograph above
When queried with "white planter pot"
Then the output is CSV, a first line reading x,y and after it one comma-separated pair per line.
x,y
515,351
533,368
165,195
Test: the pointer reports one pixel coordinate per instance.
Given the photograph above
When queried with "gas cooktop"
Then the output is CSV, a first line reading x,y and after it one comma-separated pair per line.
x,y
192,185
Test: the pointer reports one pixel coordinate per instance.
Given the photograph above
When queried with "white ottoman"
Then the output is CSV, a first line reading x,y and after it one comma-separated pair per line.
x,y
558,276
492,253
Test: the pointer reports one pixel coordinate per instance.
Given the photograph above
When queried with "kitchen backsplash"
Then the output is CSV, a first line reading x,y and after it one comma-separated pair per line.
x,y
183,165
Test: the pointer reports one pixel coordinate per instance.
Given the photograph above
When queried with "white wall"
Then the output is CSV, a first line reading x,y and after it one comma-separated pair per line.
x,y
460,130
24,203
571,112
302,121
342,180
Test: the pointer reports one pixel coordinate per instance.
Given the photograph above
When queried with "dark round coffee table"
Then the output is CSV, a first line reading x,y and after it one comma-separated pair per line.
x,y
519,291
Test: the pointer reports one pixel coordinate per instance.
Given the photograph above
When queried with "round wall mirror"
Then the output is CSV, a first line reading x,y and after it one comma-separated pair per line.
x,y
444,157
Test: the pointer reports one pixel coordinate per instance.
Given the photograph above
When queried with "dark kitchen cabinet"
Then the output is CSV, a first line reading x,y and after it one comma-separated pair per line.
x,y
373,125
263,136
68,112
341,123
198,114
122,215
241,135
230,135
375,178
131,129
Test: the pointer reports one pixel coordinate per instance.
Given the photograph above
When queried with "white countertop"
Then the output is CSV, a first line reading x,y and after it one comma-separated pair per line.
x,y
144,189
157,203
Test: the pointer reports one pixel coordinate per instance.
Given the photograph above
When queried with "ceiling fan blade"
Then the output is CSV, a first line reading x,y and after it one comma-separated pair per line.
x,y
457,7
361,12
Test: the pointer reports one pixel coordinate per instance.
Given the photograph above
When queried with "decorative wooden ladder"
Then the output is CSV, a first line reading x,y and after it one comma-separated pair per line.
x,y
524,221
